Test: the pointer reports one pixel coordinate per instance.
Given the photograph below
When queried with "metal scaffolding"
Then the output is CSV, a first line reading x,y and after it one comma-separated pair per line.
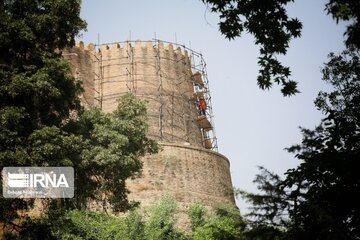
x,y
167,98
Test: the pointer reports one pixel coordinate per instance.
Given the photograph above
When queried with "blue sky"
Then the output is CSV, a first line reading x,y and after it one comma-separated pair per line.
x,y
252,126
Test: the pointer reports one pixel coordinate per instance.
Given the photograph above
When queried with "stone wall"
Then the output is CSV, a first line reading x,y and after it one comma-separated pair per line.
x,y
190,174
81,59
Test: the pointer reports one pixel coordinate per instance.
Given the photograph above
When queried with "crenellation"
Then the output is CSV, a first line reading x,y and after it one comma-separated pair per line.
x,y
149,46
115,46
179,51
160,46
138,45
186,54
127,47
80,45
90,47
103,48
170,47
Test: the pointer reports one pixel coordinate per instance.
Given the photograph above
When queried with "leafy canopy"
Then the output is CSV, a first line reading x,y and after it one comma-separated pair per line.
x,y
319,196
41,120
37,92
327,177
159,221
108,148
273,29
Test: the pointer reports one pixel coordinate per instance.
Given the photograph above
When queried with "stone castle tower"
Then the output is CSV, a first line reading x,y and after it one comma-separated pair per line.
x,y
173,80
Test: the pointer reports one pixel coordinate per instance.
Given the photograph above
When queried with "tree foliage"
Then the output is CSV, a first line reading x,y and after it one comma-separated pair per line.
x,y
31,29
37,92
161,219
273,29
197,214
317,199
320,194
41,120
269,207
158,221
330,156
108,147
223,223
347,10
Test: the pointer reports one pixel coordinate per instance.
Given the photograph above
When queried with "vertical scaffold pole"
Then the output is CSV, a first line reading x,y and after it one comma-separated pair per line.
x,y
160,89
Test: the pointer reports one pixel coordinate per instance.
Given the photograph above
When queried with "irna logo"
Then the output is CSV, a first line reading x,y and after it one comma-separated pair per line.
x,y
38,182
21,180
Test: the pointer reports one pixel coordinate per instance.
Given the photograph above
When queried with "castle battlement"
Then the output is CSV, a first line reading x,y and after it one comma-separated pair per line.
x,y
115,47
140,46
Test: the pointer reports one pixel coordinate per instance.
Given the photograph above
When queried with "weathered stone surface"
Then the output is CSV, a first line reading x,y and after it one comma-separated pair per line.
x,y
190,174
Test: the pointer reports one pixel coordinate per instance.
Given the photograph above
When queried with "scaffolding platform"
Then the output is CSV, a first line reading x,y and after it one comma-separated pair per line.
x,y
204,123
199,95
197,79
208,143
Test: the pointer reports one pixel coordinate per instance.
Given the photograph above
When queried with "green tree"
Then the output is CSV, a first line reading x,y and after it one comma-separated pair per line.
x,y
268,208
197,214
272,28
37,92
223,223
320,194
161,220
327,177
157,222
268,216
317,199
108,149
41,120
347,10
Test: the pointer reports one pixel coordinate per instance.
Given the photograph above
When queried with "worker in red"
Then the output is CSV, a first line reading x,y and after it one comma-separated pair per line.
x,y
202,106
